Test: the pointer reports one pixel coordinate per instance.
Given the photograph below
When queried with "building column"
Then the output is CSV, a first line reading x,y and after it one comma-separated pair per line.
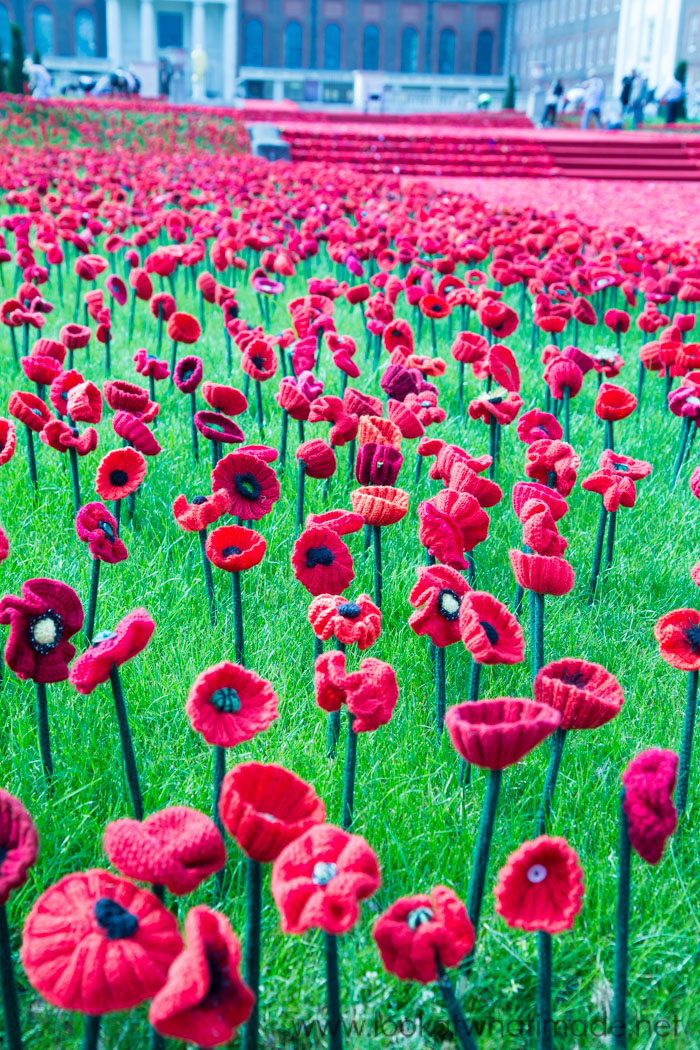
x,y
148,31
198,44
428,64
114,32
230,48
313,34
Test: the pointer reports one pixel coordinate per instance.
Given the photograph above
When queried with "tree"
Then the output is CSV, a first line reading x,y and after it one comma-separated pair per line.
x,y
509,97
16,72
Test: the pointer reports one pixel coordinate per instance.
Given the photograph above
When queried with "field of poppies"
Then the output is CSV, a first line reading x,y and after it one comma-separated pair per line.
x,y
349,583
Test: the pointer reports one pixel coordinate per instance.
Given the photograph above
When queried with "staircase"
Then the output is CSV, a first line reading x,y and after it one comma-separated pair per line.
x,y
625,155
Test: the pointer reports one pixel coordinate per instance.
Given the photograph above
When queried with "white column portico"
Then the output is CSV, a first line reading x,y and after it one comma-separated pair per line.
x,y
230,48
114,32
148,31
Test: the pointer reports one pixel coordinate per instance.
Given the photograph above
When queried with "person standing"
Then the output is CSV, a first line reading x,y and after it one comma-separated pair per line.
x,y
673,96
637,99
593,94
552,103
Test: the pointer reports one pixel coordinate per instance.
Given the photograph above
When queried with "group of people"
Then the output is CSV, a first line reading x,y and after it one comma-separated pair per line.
x,y
634,96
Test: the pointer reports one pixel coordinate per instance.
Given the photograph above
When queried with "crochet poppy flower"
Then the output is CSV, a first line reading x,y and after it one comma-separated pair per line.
x,y
318,458
319,879
112,649
29,409
98,528
678,635
215,426
228,704
370,693
341,521
585,694
41,623
380,505
407,421
264,807
416,932
469,347
441,535
351,622
149,365
84,403
489,631
321,561
188,374
618,490
626,465
95,943
377,464
19,845
361,404
562,374
204,1000
59,436
74,336
536,426
8,440
226,399
439,590
501,365
259,360
182,327
552,460
650,783
541,886
497,405
494,734
120,473
40,369
252,487
541,573
122,396
201,512
234,548
498,317
525,491
177,847
539,529
614,402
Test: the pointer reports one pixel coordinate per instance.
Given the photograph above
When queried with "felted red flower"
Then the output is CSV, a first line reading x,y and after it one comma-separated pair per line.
x,y
8,440
41,622
497,404
112,649
251,485
614,402
319,879
318,458
228,704
650,783
120,473
95,943
122,396
489,631
618,490
370,693
539,529
29,409
59,436
149,365
525,491
351,622
616,462
541,886
541,573
19,845
234,548
494,734
84,403
380,505
322,562
585,694
439,590
226,399
678,635
415,932
264,807
176,847
98,528
536,426
201,512
188,374
552,460
344,522
182,327
204,999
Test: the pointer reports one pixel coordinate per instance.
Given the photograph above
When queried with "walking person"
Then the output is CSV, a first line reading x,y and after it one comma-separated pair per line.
x,y
638,91
673,96
593,94
552,103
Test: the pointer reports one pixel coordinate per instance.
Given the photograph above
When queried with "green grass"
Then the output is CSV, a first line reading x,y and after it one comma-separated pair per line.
x,y
408,803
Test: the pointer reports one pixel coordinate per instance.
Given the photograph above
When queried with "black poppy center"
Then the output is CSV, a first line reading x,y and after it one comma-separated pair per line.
x,y
319,556
75,432
45,631
448,603
621,466
199,500
118,477
107,529
350,610
229,551
258,362
226,701
247,486
693,636
187,374
219,980
3,855
435,308
115,920
490,631
579,679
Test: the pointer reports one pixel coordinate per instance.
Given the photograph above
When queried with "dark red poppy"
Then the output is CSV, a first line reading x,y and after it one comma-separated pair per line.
x,y
41,623
215,426
182,327
494,734
110,649
228,704
98,528
234,548
585,694
416,933
650,783
19,845
318,458
259,360
251,485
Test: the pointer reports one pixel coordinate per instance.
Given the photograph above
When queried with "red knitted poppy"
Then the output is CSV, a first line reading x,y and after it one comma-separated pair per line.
x,y
58,435
188,374
348,621
494,734
618,490
264,807
358,403
541,573
650,783
234,548
380,505
562,374
95,943
536,425
41,370
29,409
415,932
98,528
374,430
585,694
319,879
539,529
251,485
626,465
120,473
469,347
41,622
344,522
500,363
678,635
440,590
377,464
162,303
226,399
614,402
60,388
228,704
125,397
441,535
201,512
496,404
407,421
489,631
215,426
370,693
292,400
177,847
204,999
8,440
544,458
322,562
19,845
465,512
541,886
318,458
74,336
259,360
183,327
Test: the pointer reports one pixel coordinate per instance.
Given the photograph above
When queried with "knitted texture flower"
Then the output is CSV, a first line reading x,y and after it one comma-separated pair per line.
x,y
251,485
112,649
136,433
29,409
183,327
120,473
234,548
95,943
59,436
614,402
177,847
437,596
98,528
545,458
357,622
650,781
322,562
8,440
264,807
84,403
489,630
318,458
215,426
524,491
494,734
370,693
201,512
536,425
226,399
188,374
618,490
204,999
678,635
343,522
415,932
228,704
19,845
380,505
540,532
377,464
541,886
319,879
122,396
585,694
541,573
41,623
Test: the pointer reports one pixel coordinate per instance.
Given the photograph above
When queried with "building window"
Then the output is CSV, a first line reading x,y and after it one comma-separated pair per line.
x,y
293,44
446,51
253,43
170,29
409,50
332,40
370,47
484,52
84,33
43,30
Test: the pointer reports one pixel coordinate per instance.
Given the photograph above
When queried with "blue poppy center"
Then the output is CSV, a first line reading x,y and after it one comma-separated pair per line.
x,y
107,529
117,923
247,486
319,556
350,610
226,701
230,551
